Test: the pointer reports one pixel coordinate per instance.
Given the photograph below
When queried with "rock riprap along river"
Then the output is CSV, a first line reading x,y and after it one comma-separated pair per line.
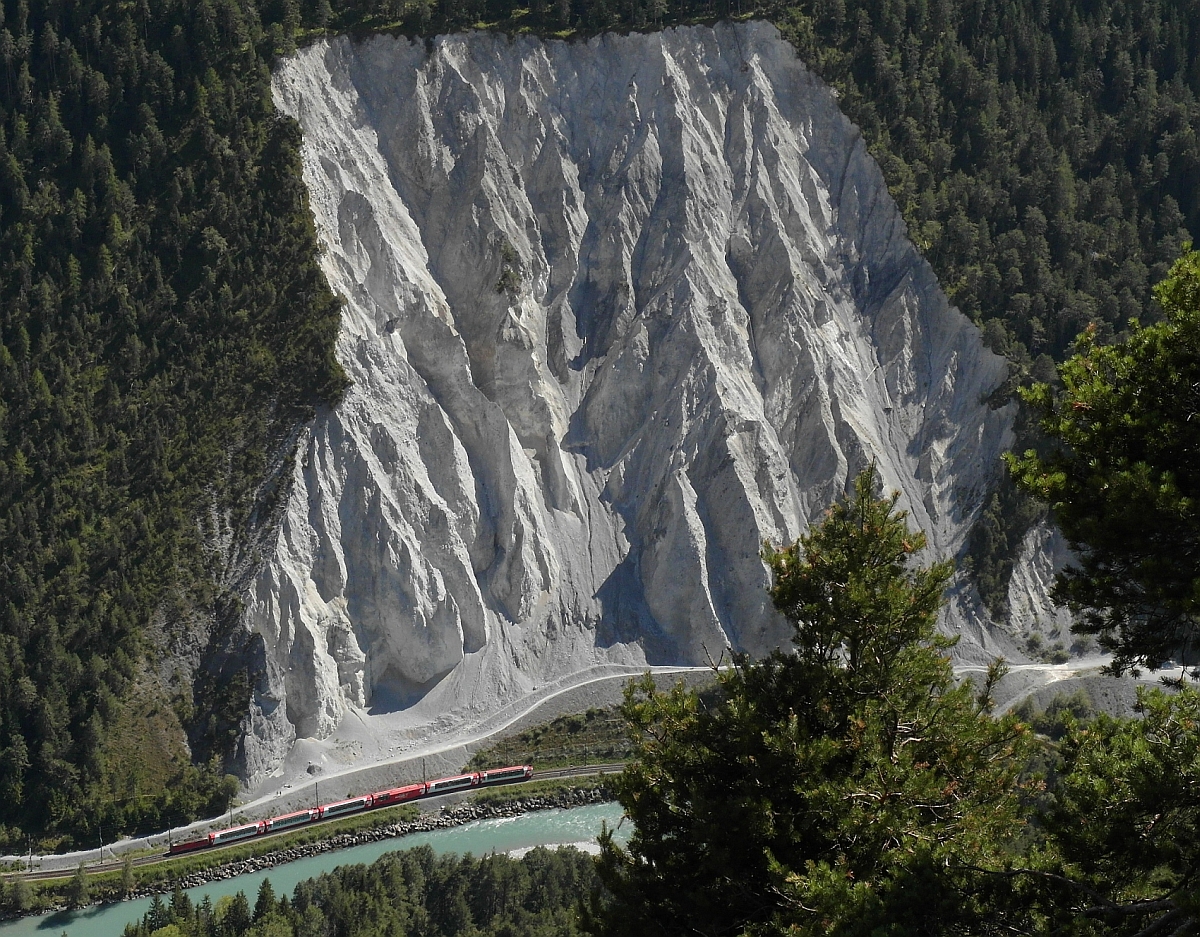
x,y
578,826
617,312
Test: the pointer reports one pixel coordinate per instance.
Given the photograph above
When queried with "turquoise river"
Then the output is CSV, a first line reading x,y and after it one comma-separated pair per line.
x,y
577,826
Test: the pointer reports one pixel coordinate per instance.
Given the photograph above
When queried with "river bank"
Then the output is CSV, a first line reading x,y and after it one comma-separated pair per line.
x,y
453,815
445,818
574,826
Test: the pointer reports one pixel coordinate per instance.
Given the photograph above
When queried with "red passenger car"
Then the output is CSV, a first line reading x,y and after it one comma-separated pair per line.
x,y
397,795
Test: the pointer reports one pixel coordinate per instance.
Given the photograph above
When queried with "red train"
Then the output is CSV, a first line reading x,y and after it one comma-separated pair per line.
x,y
341,808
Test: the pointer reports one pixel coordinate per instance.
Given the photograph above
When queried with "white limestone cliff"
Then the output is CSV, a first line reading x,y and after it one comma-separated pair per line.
x,y
618,311
1043,554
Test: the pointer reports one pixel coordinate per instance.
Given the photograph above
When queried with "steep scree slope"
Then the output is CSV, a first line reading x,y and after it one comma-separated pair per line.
x,y
617,312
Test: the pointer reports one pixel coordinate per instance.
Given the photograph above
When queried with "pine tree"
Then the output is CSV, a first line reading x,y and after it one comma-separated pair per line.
x,y
128,876
847,785
236,918
1125,821
78,889
265,903
1124,482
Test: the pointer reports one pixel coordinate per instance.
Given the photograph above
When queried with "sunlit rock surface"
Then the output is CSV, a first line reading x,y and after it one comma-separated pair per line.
x,y
617,313
1042,555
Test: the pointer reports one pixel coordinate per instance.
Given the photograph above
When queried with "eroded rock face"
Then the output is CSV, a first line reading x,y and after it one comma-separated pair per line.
x,y
617,312
1043,554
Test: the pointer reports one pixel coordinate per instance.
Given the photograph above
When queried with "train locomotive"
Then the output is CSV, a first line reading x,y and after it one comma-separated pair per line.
x,y
341,808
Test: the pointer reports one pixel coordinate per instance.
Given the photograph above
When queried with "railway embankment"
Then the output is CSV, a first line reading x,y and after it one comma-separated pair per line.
x,y
452,815
161,879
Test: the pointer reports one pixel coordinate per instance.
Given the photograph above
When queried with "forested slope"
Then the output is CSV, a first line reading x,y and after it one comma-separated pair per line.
x,y
164,324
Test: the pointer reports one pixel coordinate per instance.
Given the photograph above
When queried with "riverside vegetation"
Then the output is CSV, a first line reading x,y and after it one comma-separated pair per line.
x,y
164,325
19,897
411,892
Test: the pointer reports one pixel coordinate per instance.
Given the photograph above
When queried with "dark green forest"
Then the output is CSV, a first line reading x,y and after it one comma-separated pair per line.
x,y
411,892
164,326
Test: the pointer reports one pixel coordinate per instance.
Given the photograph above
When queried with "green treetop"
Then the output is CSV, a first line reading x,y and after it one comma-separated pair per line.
x,y
844,786
1125,479
1123,848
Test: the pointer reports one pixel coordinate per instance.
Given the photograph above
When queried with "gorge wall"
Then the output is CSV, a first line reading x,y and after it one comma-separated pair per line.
x,y
617,312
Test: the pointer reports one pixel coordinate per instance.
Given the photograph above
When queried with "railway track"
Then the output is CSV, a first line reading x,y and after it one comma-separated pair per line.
x,y
586,771
112,865
115,865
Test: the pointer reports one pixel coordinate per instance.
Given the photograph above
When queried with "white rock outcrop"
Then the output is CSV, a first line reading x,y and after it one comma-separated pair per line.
x,y
617,312
1043,554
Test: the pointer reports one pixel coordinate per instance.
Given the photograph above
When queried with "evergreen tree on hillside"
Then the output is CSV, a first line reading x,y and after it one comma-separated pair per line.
x,y
842,788
1124,480
1124,824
